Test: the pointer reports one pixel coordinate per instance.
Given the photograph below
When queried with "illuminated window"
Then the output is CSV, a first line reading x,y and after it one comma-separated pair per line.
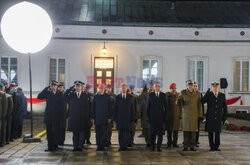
x,y
9,69
150,69
104,63
57,69
241,75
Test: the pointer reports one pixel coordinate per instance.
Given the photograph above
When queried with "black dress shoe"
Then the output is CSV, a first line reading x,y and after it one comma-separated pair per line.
x,y
98,149
169,146
175,146
159,149
88,142
49,150
217,149
197,145
141,136
211,149
148,145
185,149
130,145
192,149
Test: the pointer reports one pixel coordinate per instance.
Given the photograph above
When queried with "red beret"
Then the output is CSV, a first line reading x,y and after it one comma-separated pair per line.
x,y
171,86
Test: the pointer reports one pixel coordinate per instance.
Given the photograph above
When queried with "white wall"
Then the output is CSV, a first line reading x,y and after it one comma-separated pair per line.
x,y
80,52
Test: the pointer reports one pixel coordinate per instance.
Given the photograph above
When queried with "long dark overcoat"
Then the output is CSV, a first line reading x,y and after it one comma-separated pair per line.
x,y
157,113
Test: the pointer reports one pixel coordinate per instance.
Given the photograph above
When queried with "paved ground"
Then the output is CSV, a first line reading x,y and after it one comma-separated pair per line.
x,y
235,150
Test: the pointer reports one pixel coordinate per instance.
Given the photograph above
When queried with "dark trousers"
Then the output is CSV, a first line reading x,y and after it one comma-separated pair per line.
x,y
159,140
62,132
146,135
123,136
53,132
14,126
189,139
3,132
20,126
8,129
88,132
78,139
101,133
198,133
172,137
131,137
214,139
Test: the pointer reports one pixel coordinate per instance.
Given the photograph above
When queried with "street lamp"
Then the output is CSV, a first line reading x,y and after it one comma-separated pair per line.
x,y
27,28
104,49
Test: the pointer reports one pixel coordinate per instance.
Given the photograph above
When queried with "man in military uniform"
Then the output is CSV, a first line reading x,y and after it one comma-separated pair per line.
x,y
143,109
215,116
88,132
200,119
190,102
64,120
79,113
173,122
7,124
111,124
101,115
136,117
53,114
124,115
3,113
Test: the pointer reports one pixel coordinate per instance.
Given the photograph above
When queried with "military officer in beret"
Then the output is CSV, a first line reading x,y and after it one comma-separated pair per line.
x,y
124,115
215,116
79,114
173,122
88,132
190,102
101,115
136,117
111,124
53,114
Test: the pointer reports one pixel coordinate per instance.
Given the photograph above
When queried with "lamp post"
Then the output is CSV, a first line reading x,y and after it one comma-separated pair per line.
x,y
27,28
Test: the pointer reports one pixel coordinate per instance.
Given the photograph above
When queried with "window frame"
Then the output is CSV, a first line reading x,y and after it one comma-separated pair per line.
x,y
150,67
159,67
241,60
205,69
57,68
9,59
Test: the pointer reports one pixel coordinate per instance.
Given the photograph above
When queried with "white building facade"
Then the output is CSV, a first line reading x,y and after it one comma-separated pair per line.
x,y
135,54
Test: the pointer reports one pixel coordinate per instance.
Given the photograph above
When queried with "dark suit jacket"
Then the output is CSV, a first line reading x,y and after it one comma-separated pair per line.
x,y
124,111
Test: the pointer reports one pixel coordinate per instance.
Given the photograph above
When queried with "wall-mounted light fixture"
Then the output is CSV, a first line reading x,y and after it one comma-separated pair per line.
x,y
104,49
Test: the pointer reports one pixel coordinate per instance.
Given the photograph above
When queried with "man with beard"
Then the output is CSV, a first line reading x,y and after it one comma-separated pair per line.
x,y
101,115
157,114
79,114
124,116
53,114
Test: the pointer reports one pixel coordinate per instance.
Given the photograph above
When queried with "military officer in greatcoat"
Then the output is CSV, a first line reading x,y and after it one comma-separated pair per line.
x,y
3,112
157,114
79,114
173,122
190,102
216,115
53,114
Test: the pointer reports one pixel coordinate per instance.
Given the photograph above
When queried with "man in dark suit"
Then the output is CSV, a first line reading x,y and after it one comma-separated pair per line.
x,y
101,115
79,114
124,116
215,116
157,113
53,114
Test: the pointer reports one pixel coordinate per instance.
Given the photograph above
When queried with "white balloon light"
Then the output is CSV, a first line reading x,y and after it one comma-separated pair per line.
x,y
26,27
